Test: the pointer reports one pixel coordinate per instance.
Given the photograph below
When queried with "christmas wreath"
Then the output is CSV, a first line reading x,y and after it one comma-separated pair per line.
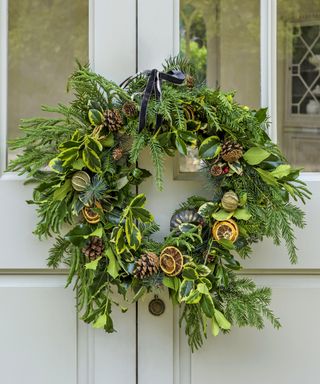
x,y
84,163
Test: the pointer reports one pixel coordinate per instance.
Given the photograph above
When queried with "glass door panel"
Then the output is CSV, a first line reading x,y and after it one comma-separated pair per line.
x,y
45,39
222,39
298,68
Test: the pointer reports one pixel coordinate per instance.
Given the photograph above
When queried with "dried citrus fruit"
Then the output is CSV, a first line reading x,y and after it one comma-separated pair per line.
x,y
90,215
227,229
171,261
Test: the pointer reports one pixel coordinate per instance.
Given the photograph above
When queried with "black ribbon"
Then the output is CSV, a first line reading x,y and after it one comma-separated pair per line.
x,y
153,86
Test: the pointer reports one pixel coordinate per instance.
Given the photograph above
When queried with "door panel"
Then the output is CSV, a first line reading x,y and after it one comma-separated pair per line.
x,y
38,330
289,355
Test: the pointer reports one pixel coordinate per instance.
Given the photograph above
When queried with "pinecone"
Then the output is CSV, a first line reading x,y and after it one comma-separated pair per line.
x,y
130,109
147,265
231,151
113,119
117,153
94,249
189,81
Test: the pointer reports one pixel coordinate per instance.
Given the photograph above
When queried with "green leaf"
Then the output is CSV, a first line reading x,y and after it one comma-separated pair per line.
x,y
95,117
77,235
210,148
202,288
189,273
78,164
113,266
282,170
56,165
193,298
120,244
91,160
243,199
122,182
207,305
100,322
261,114
108,141
207,209
181,146
255,155
227,244
214,327
61,192
97,233
221,320
94,144
222,215
93,264
242,214
68,156
142,214
267,177
135,238
203,270
138,201
207,282
185,288
171,282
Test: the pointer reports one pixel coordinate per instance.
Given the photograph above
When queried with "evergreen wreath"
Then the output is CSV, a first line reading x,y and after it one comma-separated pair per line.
x,y
84,166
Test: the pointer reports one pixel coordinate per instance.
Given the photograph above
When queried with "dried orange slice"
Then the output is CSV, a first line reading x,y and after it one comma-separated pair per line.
x,y
227,229
90,215
167,264
171,261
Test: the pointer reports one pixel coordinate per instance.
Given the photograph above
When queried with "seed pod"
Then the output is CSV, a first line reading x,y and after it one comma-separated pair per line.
x,y
230,201
80,180
185,216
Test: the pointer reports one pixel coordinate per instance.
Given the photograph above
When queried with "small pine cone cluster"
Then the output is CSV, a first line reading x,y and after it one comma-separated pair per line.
x,y
231,151
219,169
117,153
146,266
113,120
130,109
94,249
189,81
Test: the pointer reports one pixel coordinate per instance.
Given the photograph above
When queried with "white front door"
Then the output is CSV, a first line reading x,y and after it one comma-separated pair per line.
x,y
42,339
262,49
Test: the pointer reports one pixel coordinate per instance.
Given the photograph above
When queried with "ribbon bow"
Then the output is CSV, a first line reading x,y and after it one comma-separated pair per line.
x,y
153,86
